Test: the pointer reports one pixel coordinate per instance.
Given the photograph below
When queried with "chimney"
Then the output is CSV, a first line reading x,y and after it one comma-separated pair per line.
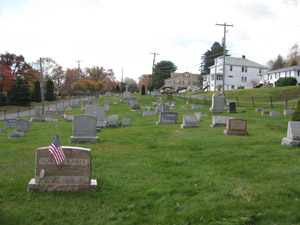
x,y
243,56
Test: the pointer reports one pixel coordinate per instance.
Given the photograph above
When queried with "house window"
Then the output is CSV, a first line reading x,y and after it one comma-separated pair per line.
x,y
230,76
243,69
177,82
244,79
288,73
195,82
168,82
186,82
259,70
219,77
186,76
231,68
232,86
298,73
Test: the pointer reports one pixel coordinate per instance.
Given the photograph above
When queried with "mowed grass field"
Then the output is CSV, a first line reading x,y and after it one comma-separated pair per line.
x,y
154,174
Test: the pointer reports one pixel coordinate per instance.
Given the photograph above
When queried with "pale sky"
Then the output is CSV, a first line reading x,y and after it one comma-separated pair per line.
x,y
118,34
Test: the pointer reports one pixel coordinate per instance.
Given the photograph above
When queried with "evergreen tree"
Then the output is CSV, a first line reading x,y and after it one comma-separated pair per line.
x,y
3,99
118,88
49,91
19,93
279,63
162,71
296,114
143,91
294,63
36,96
215,51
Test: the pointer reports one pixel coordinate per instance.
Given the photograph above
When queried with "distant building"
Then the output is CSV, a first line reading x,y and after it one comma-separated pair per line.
x,y
272,76
238,72
181,81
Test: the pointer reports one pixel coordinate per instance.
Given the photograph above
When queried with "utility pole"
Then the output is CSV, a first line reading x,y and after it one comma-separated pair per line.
x,y
78,76
154,54
224,51
42,83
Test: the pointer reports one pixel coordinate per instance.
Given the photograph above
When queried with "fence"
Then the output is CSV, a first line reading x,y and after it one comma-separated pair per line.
x,y
284,102
28,112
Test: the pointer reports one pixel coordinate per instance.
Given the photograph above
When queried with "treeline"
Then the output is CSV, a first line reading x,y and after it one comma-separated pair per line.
x,y
18,76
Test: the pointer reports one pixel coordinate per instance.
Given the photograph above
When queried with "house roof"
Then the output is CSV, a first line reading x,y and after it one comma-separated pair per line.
x,y
237,61
180,74
285,69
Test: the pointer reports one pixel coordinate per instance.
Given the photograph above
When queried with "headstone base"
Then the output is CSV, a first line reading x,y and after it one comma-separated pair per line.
x,y
189,126
83,139
48,187
235,132
289,142
51,120
217,125
217,111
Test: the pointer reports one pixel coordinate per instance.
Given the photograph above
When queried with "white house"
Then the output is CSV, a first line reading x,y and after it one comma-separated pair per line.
x,y
238,72
272,76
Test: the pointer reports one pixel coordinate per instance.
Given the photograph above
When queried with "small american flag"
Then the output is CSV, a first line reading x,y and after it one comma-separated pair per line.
x,y
56,151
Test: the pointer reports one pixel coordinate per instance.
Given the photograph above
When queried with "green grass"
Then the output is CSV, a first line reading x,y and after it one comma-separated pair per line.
x,y
150,174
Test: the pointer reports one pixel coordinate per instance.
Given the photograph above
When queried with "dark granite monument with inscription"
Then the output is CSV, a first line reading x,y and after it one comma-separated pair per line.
x,y
73,174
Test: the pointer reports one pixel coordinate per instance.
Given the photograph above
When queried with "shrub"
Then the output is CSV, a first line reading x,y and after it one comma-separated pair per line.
x,y
3,99
240,87
49,90
143,92
286,81
36,95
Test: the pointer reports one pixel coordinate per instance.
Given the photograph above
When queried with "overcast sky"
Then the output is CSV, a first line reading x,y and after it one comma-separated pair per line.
x,y
118,34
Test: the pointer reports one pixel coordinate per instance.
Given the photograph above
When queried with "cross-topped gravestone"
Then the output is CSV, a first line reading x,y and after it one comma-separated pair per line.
x,y
84,129
72,175
189,121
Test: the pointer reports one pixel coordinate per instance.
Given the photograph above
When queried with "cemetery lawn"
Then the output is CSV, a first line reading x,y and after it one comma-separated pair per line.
x,y
161,174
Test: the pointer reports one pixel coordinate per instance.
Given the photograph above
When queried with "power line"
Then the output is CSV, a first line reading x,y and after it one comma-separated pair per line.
x,y
154,54
78,76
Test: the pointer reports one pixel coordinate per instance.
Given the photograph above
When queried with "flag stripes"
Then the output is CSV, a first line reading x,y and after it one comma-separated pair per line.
x,y
56,150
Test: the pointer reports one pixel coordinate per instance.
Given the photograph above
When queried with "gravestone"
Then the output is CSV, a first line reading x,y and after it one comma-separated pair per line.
x,y
37,114
11,123
218,103
22,125
15,134
126,122
265,112
107,102
293,134
108,94
135,107
274,113
2,130
116,117
232,107
69,118
166,118
100,115
198,116
196,106
159,108
149,113
72,175
90,110
236,127
189,121
288,112
84,129
90,101
106,108
183,107
169,97
75,103
258,109
112,122
154,104
50,115
115,103
60,111
220,121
